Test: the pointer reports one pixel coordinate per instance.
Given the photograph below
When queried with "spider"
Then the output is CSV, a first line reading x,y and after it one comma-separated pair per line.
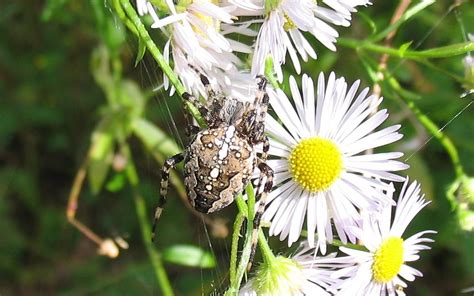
x,y
220,160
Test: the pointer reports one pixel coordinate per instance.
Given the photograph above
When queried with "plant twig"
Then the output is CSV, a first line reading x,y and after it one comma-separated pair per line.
x,y
377,90
143,218
106,246
434,53
388,42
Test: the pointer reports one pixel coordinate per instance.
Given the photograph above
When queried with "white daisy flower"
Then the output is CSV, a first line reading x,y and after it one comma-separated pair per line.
x,y
285,22
302,274
317,156
382,269
195,39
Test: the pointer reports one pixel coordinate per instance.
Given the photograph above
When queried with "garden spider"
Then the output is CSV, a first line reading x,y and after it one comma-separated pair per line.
x,y
220,160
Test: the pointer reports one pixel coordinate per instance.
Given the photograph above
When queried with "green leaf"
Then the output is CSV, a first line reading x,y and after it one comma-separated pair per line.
x,y
434,53
405,47
101,154
51,7
445,51
131,97
189,255
368,20
100,67
111,32
405,17
141,50
153,138
116,183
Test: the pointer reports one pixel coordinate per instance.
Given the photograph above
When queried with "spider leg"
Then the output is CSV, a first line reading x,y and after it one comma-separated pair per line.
x,y
204,81
203,110
190,128
262,99
165,172
215,102
265,171
262,83
266,148
195,102
254,117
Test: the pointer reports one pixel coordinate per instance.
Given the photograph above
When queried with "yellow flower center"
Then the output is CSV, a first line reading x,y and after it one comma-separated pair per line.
x,y
207,20
315,163
289,24
387,260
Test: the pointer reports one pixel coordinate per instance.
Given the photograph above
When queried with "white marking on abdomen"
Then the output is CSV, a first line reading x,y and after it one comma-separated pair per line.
x,y
229,133
223,151
214,173
228,137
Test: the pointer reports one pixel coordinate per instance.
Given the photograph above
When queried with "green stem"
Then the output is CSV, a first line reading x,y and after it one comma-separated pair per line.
x,y
442,138
250,202
143,33
404,18
245,210
155,52
121,14
241,205
269,72
338,243
143,218
439,52
434,130
245,257
267,253
239,220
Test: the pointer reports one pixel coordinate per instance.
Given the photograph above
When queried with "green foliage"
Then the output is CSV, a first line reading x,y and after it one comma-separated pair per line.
x,y
189,256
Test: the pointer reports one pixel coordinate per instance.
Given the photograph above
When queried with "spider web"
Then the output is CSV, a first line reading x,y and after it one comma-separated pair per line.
x,y
214,281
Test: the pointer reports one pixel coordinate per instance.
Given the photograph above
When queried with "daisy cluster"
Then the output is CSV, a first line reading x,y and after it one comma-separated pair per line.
x,y
328,184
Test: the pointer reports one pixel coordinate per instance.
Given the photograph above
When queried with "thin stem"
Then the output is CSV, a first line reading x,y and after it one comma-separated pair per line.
x,y
269,72
250,202
439,52
435,131
338,243
143,218
245,257
241,205
383,60
267,253
143,33
123,17
442,138
239,220
73,205
155,52
401,17
246,210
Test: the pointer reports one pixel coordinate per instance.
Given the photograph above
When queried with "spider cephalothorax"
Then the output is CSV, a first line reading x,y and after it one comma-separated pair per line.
x,y
220,160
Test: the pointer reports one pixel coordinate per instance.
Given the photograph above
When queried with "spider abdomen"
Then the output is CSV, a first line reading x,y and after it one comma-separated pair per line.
x,y
218,165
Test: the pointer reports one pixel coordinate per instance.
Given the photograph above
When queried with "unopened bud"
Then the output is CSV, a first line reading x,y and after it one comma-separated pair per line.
x,y
108,248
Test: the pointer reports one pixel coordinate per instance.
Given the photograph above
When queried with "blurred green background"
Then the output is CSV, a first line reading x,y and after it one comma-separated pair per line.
x,y
67,72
